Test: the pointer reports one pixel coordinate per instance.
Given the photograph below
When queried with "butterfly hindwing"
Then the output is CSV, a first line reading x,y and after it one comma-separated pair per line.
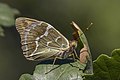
x,y
39,39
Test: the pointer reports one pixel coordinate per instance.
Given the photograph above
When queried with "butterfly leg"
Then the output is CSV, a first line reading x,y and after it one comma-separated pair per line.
x,y
72,54
56,59
76,55
53,64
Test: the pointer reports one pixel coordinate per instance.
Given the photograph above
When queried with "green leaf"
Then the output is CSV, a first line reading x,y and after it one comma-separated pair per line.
x,y
83,44
89,66
7,15
26,77
106,68
70,71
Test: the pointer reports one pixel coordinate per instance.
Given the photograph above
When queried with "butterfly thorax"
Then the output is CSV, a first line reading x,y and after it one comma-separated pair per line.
x,y
66,53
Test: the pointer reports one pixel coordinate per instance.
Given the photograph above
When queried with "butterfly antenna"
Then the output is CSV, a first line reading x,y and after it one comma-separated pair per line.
x,y
88,27
76,28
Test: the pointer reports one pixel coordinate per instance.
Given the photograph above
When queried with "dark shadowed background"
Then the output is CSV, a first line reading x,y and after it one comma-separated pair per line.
x,y
103,36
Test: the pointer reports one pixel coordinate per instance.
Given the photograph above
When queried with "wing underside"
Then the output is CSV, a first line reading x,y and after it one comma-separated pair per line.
x,y
39,39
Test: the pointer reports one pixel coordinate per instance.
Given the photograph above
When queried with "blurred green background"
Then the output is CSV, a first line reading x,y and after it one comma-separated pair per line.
x,y
103,37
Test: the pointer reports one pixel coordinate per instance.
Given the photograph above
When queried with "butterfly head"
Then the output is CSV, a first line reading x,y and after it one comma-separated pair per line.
x,y
73,43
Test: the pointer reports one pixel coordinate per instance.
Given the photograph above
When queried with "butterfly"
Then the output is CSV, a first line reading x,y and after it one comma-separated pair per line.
x,y
41,41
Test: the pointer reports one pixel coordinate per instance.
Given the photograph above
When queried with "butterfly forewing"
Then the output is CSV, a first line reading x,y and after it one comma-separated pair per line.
x,y
39,39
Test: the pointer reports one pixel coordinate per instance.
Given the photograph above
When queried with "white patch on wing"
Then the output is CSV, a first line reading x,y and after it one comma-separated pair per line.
x,y
46,32
25,47
62,45
32,26
26,32
36,42
37,38
57,38
49,43
36,53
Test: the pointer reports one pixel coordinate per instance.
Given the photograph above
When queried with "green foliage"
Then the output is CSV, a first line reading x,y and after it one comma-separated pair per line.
x,y
69,71
106,68
83,44
89,66
6,16
26,77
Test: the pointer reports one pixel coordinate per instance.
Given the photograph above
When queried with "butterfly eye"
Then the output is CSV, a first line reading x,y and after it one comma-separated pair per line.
x,y
73,44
